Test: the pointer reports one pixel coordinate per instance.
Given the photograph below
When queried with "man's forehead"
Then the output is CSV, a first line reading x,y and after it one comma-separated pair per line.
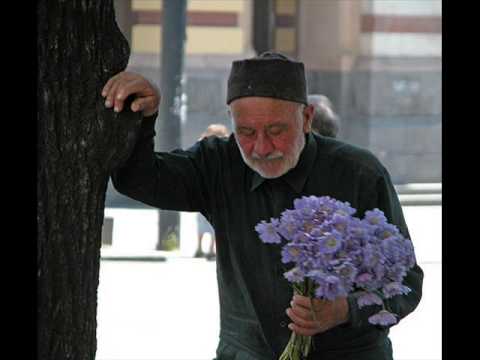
x,y
263,113
256,103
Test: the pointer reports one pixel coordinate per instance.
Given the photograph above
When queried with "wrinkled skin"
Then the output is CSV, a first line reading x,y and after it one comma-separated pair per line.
x,y
325,315
124,84
270,133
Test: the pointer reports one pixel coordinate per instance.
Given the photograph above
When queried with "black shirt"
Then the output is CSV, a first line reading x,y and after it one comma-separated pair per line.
x,y
212,178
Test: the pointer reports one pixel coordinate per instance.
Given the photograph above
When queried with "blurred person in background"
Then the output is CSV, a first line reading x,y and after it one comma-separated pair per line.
x,y
325,121
203,225
271,159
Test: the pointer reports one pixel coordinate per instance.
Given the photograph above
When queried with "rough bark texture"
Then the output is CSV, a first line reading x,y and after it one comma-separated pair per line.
x,y
79,143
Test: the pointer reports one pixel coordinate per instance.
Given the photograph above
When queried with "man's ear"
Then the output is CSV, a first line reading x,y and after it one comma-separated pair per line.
x,y
308,113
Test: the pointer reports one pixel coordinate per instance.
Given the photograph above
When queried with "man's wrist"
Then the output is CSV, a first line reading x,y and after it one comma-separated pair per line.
x,y
152,115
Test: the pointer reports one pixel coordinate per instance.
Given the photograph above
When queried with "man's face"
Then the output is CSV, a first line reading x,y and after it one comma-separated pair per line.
x,y
270,133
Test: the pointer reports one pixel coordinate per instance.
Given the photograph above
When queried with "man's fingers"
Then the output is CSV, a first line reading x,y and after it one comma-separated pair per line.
x,y
125,89
113,97
302,331
108,85
128,88
118,105
141,104
302,301
112,94
301,311
306,302
298,320
125,84
112,90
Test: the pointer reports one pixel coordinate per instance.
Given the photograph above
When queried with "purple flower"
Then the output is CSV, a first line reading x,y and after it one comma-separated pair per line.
x,y
355,239
396,272
302,239
292,252
295,275
355,256
344,209
330,242
340,222
386,230
408,254
320,230
375,217
289,225
383,317
380,270
346,271
306,206
368,299
363,278
268,233
338,253
329,287
371,256
393,249
309,263
399,250
394,288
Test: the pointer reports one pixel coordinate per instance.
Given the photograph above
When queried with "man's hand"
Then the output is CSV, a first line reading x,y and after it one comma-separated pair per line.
x,y
124,84
323,315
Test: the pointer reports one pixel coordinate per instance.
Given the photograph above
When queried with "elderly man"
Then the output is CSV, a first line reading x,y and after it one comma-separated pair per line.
x,y
271,159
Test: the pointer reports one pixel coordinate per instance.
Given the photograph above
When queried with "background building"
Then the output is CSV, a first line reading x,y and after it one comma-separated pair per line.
x,y
379,61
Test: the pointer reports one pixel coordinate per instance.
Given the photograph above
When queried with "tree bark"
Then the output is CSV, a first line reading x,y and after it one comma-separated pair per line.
x,y
80,142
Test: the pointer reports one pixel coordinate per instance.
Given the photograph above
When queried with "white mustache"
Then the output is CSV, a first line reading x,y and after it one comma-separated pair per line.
x,y
273,156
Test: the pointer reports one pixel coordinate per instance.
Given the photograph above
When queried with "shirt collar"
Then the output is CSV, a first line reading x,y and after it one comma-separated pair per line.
x,y
297,176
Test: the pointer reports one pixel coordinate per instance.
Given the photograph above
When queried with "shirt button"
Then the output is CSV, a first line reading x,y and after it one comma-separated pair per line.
x,y
283,323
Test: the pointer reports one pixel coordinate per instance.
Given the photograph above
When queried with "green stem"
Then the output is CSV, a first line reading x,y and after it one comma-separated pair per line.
x,y
298,347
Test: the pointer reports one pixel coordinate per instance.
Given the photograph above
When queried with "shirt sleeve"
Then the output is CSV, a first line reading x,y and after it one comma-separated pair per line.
x,y
167,180
384,197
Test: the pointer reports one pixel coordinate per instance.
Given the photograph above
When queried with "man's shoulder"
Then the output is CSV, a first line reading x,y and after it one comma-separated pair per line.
x,y
349,154
215,149
214,143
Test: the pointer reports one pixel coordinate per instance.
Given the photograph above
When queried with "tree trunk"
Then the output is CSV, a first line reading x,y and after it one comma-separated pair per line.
x,y
168,130
79,143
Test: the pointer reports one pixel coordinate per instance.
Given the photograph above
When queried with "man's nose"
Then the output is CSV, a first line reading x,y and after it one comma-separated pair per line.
x,y
263,146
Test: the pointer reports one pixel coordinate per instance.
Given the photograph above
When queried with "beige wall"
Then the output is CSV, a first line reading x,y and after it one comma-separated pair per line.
x,y
329,33
201,40
285,7
146,4
285,38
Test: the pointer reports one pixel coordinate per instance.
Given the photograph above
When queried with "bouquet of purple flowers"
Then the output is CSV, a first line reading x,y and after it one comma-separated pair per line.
x,y
334,254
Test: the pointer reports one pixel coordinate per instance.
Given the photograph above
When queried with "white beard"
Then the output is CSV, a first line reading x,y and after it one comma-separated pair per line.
x,y
289,160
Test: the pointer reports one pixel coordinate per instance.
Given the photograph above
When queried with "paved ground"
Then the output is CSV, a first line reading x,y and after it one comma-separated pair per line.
x,y
151,310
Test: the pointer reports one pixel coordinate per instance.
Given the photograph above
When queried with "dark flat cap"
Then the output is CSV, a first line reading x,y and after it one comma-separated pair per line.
x,y
268,75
